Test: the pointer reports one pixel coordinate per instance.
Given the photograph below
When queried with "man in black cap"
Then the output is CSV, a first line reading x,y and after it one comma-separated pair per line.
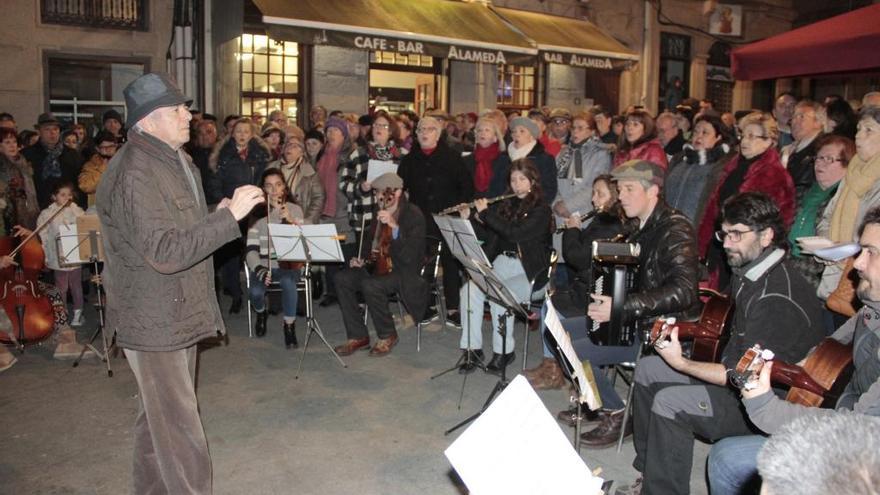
x,y
400,250
52,161
112,123
159,276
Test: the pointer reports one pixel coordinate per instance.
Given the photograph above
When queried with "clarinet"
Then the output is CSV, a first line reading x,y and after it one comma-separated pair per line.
x,y
583,219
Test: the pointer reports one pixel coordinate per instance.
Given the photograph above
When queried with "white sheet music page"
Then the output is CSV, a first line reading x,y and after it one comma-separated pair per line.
x,y
516,447
377,168
563,339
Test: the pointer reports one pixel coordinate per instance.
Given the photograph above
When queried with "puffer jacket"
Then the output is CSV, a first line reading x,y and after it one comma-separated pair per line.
x,y
158,240
650,150
692,177
231,172
668,268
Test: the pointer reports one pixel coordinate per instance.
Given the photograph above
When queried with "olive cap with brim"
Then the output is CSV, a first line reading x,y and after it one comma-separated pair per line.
x,y
149,92
386,181
639,170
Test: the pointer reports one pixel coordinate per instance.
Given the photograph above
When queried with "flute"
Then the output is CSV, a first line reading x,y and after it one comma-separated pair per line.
x,y
453,209
583,218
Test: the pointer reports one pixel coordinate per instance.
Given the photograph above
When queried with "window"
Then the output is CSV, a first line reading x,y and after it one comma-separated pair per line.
x,y
81,90
113,14
394,58
269,75
516,87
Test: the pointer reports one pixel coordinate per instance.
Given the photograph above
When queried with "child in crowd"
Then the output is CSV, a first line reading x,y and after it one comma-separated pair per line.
x,y
66,277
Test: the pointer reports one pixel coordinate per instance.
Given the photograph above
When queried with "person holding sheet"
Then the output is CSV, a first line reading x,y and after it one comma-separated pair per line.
x,y
516,234
262,264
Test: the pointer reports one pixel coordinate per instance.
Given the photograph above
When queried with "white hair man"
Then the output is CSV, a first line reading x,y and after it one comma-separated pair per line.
x,y
799,157
159,276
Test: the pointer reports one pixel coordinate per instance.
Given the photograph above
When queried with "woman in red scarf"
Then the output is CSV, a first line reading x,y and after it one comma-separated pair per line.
x,y
490,144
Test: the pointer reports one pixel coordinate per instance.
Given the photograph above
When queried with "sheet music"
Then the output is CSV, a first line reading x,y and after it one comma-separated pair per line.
x,y
376,168
585,384
322,242
516,447
68,243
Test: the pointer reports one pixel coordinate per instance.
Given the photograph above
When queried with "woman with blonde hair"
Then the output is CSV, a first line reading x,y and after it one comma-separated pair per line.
x,y
481,163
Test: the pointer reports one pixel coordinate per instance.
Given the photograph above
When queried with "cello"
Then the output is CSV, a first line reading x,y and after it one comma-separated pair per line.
x,y
27,306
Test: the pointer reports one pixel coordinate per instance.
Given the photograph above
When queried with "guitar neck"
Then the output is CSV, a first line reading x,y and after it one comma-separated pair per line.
x,y
694,330
794,376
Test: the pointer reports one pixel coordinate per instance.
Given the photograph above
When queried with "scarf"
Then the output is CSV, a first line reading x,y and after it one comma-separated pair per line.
x,y
701,157
860,177
517,153
571,161
387,153
483,169
51,166
292,175
327,166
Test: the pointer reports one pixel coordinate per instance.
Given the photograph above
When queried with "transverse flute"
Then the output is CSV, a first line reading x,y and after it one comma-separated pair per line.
x,y
584,218
453,209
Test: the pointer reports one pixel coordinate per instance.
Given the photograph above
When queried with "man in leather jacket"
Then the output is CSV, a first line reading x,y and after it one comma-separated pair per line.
x,y
668,278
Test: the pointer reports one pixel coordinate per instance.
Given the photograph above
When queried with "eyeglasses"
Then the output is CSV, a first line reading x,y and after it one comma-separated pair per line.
x,y
752,137
381,126
828,159
427,130
560,121
734,235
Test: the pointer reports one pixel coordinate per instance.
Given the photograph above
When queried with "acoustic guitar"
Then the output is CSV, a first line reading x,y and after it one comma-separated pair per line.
x,y
708,333
818,383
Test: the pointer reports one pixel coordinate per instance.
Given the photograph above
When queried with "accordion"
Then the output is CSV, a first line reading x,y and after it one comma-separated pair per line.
x,y
615,267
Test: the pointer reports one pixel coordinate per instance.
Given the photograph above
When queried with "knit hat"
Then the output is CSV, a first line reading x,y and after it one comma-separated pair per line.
x,y
112,114
528,124
315,134
337,123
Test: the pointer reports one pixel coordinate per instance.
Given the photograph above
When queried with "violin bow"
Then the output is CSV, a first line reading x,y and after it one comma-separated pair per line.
x,y
38,229
268,234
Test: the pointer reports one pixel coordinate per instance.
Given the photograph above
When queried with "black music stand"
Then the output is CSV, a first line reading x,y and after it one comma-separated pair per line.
x,y
71,249
483,276
307,244
464,245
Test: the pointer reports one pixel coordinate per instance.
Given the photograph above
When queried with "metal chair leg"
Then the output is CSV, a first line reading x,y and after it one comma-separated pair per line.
x,y
629,396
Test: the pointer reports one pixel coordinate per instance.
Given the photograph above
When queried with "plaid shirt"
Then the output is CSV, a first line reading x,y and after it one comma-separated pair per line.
x,y
360,204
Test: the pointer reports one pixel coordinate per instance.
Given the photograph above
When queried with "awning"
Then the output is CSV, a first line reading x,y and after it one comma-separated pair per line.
x,y
845,43
440,28
563,40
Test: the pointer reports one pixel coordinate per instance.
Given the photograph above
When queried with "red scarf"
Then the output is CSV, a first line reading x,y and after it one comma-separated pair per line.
x,y
428,151
483,170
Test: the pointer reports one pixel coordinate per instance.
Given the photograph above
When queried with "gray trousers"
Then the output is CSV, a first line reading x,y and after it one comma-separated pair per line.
x,y
170,449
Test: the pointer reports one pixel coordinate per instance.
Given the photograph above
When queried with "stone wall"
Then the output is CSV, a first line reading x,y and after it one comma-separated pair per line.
x,y
27,41
341,78
472,87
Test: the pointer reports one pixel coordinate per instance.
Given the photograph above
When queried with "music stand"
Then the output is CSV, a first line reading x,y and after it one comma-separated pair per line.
x,y
578,375
80,244
464,245
495,290
307,244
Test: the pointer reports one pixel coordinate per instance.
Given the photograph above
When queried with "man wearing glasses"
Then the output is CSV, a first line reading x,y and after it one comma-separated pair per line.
x,y
435,178
675,398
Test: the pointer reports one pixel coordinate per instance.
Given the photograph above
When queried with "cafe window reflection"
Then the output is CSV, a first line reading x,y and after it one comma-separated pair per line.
x,y
269,71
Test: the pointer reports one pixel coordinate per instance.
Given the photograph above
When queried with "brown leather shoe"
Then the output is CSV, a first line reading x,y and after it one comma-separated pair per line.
x,y
606,434
352,345
552,378
569,416
384,346
533,373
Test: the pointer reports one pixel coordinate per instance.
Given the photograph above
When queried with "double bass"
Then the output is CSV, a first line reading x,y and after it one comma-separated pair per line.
x,y
27,306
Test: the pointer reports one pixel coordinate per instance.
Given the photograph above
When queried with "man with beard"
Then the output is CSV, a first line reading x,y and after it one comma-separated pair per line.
x,y
733,461
676,398
90,177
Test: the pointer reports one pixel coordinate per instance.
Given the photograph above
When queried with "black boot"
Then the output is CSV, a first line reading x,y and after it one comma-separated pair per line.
x,y
261,323
290,335
499,361
235,307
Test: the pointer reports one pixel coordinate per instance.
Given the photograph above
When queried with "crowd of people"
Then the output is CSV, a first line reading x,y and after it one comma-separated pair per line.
x,y
715,200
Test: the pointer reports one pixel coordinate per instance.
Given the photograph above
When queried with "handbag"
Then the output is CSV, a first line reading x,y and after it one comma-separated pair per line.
x,y
843,300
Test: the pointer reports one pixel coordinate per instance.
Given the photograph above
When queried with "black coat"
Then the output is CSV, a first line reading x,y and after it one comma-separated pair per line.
x,y
545,164
200,158
71,165
529,234
232,172
668,268
800,167
436,181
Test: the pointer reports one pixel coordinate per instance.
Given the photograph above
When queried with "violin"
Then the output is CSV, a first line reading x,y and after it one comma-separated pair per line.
x,y
379,261
27,306
297,213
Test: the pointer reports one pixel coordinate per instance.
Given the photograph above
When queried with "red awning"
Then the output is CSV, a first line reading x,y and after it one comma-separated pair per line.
x,y
845,43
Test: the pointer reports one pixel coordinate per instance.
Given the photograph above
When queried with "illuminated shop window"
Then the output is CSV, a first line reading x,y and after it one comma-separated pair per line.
x,y
269,75
516,87
394,58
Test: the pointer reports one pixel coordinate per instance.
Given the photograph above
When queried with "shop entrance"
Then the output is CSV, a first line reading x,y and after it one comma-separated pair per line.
x,y
401,82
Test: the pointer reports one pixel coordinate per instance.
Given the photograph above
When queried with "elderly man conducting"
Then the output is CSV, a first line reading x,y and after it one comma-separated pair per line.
x,y
158,240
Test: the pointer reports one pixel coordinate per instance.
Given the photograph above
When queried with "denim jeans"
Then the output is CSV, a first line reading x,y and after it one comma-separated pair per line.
x,y
287,279
511,272
733,465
